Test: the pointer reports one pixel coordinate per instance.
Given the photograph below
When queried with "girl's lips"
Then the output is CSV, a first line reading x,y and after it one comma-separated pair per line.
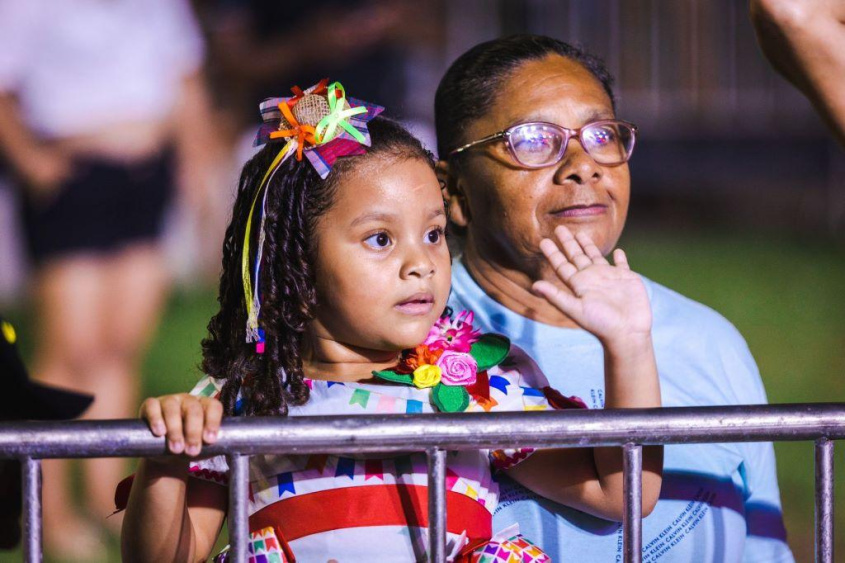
x,y
418,304
582,211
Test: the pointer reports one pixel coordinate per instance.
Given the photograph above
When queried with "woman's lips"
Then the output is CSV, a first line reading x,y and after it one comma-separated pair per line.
x,y
417,304
581,211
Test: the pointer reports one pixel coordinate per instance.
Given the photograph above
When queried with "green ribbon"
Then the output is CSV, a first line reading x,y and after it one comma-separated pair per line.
x,y
327,129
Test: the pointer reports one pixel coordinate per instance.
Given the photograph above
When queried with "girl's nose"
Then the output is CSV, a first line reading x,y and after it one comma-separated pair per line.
x,y
417,264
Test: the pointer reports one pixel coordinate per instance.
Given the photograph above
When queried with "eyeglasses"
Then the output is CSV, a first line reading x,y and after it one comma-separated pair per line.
x,y
539,144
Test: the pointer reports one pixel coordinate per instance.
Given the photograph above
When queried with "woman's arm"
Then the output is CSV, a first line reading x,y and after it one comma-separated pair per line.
x,y
171,517
609,301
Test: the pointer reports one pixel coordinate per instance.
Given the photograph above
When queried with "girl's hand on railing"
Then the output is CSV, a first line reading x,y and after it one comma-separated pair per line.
x,y
607,300
186,420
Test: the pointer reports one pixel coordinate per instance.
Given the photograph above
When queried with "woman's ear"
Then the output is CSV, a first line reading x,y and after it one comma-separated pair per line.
x,y
453,194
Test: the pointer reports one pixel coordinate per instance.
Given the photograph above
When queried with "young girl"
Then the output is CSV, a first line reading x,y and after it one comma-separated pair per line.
x,y
330,299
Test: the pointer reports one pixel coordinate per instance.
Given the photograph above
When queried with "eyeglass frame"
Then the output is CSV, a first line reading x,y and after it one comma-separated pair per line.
x,y
570,133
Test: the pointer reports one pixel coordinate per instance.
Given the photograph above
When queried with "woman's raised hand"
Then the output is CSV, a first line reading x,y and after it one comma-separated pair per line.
x,y
607,300
186,420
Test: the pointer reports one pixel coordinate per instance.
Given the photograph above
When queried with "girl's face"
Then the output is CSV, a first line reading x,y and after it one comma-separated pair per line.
x,y
382,265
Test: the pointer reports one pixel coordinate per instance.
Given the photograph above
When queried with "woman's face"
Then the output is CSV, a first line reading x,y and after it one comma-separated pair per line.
x,y
382,266
508,209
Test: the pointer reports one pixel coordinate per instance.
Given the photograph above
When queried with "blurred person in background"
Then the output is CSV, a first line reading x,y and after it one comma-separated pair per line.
x,y
257,48
805,41
102,113
529,140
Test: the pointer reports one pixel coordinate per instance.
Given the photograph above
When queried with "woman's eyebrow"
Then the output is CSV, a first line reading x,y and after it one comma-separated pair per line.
x,y
587,117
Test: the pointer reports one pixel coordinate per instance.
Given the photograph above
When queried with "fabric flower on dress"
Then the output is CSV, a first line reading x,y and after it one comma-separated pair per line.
x,y
458,368
453,362
427,376
457,335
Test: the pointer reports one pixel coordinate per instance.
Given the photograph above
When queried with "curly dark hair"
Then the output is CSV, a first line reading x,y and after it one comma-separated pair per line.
x,y
297,198
471,83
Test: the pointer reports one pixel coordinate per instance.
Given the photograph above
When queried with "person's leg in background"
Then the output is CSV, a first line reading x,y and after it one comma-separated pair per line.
x,y
98,313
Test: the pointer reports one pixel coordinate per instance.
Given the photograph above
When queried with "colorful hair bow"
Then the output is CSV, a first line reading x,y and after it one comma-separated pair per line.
x,y
320,123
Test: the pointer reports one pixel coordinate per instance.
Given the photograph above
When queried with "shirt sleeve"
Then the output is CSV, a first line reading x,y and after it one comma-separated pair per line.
x,y
214,469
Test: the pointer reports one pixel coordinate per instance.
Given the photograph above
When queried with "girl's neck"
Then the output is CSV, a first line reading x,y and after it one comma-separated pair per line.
x,y
511,287
331,360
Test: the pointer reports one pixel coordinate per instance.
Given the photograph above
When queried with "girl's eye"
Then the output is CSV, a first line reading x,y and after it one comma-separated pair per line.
x,y
378,240
434,235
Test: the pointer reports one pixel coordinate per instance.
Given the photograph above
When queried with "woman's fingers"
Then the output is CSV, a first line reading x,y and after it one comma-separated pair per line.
x,y
590,248
620,259
562,267
564,301
572,248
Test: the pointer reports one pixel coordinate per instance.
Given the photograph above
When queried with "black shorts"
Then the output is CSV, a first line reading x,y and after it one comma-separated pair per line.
x,y
102,208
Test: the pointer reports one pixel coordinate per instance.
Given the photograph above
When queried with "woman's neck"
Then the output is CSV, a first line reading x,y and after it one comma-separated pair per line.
x,y
511,287
330,360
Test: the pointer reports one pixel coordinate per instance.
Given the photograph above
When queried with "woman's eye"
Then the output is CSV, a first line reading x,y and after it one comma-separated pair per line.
x,y
435,235
378,240
536,144
601,137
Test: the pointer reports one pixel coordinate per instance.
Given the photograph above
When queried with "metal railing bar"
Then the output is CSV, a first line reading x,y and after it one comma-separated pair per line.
x,y
461,431
31,477
238,518
824,501
437,505
632,490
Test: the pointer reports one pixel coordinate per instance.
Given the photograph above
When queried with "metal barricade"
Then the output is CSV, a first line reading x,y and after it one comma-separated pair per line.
x,y
436,434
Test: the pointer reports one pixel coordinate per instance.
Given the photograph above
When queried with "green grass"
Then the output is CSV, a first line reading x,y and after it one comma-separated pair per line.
x,y
785,296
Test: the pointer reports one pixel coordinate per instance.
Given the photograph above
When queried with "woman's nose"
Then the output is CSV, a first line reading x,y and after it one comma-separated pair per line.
x,y
577,165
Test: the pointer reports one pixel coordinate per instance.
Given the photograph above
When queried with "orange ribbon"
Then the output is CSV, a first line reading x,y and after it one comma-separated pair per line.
x,y
320,88
303,133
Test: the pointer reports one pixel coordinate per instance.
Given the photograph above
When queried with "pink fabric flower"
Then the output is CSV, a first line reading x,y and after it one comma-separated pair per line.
x,y
456,335
457,368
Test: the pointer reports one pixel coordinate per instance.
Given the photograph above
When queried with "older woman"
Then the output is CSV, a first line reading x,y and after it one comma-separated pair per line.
x,y
529,140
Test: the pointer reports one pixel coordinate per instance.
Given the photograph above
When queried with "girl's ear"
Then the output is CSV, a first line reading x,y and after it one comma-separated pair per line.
x,y
453,194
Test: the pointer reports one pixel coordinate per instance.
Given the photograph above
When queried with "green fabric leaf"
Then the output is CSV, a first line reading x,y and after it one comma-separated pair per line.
x,y
390,375
490,350
450,398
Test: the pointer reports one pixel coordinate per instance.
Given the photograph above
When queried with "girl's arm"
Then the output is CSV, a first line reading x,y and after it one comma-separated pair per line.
x,y
171,517
611,302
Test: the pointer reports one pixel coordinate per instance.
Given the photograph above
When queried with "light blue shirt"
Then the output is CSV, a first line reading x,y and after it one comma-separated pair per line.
x,y
718,503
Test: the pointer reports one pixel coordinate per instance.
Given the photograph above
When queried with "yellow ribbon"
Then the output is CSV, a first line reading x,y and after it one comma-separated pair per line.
x,y
245,275
327,128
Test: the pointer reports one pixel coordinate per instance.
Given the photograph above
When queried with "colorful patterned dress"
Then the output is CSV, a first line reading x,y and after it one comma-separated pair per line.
x,y
371,507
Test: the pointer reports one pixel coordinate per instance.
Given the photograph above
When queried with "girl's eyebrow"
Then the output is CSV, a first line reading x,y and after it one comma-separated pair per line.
x,y
388,217
374,216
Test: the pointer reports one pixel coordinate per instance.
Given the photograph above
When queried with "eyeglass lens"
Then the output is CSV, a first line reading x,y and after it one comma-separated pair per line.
x,y
537,144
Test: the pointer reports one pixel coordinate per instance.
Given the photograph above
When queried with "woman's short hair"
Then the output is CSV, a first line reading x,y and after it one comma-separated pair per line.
x,y
470,85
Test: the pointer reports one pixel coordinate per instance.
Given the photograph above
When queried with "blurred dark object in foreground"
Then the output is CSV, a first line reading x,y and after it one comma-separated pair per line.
x,y
24,399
